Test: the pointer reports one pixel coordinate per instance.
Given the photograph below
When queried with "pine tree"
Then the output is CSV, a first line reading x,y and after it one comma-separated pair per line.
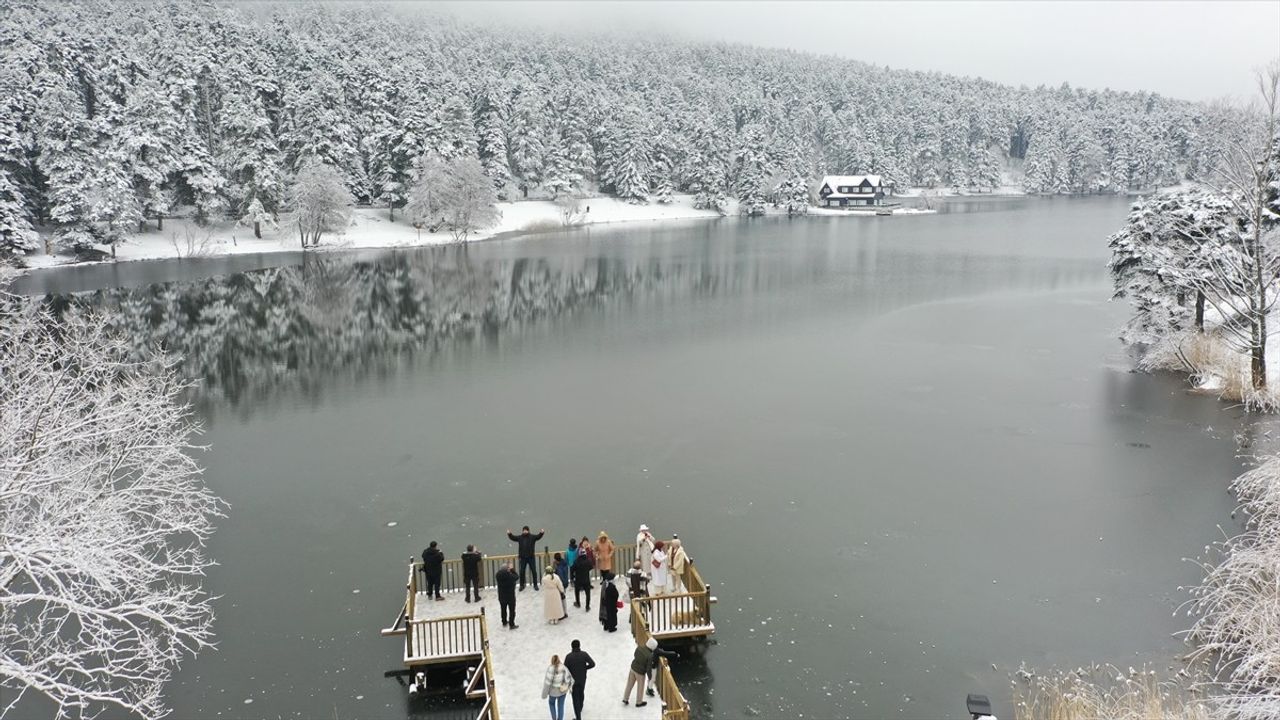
x,y
16,234
751,172
526,150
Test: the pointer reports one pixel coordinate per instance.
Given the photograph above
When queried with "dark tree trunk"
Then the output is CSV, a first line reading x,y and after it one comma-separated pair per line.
x,y
257,229
391,207
160,222
1200,311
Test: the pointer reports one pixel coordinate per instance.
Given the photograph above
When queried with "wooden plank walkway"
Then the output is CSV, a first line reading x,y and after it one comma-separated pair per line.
x,y
509,664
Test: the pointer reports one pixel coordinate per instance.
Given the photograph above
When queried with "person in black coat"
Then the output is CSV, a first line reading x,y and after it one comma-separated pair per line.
x,y
578,663
527,543
609,603
505,579
471,571
581,570
433,568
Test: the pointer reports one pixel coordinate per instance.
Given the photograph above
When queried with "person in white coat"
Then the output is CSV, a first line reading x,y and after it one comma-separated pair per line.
x,y
552,597
644,550
661,574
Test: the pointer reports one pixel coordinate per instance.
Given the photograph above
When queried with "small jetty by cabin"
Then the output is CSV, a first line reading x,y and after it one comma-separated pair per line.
x,y
854,191
503,668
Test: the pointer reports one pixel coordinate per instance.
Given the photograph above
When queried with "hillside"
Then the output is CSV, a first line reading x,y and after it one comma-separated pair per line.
x,y
118,113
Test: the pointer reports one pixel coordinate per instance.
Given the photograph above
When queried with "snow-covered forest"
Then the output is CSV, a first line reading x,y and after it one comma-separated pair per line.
x,y
116,114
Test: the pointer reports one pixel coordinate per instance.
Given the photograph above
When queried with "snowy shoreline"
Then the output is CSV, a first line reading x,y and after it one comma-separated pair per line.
x,y
371,228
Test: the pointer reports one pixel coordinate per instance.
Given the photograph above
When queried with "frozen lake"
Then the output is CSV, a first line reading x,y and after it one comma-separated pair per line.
x,y
900,449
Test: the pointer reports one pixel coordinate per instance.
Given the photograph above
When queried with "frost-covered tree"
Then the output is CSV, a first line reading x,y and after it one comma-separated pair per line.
x,y
103,520
319,201
456,195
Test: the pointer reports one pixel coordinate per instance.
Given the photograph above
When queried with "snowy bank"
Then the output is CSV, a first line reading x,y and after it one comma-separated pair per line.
x,y
373,228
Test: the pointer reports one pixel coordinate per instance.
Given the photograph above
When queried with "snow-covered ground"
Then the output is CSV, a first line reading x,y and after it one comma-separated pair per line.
x,y
373,228
521,656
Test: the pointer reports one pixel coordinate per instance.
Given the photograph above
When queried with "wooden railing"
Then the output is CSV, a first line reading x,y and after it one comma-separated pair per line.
x,y
667,615
444,639
675,707
481,684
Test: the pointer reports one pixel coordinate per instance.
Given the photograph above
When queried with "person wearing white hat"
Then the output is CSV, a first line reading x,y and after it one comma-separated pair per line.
x,y
644,550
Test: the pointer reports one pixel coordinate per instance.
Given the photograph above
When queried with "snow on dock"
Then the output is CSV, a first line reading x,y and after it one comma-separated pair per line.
x,y
509,664
520,656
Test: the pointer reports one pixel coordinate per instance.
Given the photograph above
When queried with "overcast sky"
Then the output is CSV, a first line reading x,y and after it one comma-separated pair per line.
x,y
1192,50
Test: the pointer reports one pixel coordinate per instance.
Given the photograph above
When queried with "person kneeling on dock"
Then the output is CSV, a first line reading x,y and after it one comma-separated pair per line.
x,y
505,579
471,571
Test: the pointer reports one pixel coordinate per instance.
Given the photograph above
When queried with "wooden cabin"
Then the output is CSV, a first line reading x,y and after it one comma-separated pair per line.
x,y
853,191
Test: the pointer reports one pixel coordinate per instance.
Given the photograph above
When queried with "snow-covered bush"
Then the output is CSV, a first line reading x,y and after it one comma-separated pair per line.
x,y
1237,606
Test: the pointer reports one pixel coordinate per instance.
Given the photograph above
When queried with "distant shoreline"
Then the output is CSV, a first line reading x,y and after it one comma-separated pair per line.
x,y
372,229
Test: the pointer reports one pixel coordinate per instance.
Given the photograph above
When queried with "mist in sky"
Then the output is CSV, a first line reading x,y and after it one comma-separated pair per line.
x,y
1189,50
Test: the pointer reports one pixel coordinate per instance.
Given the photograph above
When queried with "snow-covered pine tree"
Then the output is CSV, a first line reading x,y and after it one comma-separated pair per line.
x,y
255,216
148,138
526,147
17,237
751,172
629,156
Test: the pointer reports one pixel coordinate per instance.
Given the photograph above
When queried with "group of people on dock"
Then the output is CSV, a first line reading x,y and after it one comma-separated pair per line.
x,y
659,568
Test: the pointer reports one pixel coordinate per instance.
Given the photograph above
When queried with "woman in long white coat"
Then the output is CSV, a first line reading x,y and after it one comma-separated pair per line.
x,y
644,550
552,597
661,569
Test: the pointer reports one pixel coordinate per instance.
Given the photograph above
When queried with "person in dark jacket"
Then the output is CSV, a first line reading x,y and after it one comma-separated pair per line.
x,y
608,603
528,548
433,568
471,571
505,579
561,569
581,570
578,663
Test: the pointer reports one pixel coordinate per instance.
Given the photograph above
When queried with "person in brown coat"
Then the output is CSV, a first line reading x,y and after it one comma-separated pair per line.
x,y
604,554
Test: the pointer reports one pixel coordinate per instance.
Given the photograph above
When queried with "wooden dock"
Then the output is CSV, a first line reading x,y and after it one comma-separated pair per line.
x,y
506,666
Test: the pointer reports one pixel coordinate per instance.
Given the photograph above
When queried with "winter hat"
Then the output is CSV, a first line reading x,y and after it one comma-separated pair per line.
x,y
651,644
604,535
675,543
551,570
644,528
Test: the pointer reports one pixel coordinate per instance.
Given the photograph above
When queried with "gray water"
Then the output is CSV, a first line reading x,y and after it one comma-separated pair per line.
x,y
901,449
